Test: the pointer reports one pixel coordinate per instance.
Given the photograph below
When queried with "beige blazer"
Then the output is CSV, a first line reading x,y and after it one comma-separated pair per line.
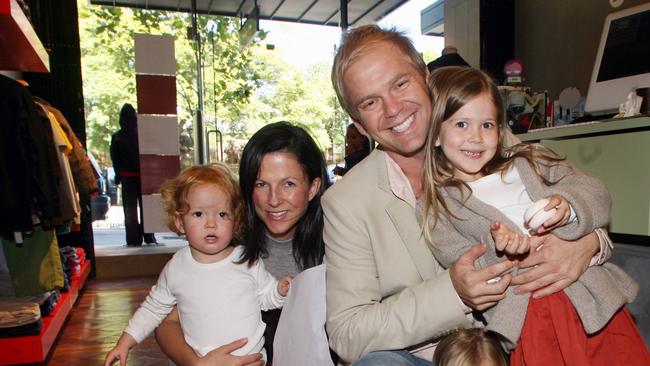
x,y
385,291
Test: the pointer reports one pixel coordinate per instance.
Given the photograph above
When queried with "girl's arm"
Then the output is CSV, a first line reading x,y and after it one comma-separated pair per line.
x,y
587,195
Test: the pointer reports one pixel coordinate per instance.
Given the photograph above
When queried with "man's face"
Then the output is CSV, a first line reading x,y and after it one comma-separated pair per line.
x,y
391,98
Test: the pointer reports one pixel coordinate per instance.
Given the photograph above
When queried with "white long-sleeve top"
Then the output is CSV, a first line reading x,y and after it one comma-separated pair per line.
x,y
217,303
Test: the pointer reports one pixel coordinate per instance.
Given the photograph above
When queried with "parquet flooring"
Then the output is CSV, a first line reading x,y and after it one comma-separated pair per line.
x,y
97,321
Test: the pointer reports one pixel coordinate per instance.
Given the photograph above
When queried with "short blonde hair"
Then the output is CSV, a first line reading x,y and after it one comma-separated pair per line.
x,y
174,193
354,43
470,347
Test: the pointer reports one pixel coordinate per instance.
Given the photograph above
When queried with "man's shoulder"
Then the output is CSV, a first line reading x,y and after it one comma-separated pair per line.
x,y
359,181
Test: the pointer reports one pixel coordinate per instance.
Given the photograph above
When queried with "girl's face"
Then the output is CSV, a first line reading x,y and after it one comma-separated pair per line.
x,y
208,224
470,137
282,193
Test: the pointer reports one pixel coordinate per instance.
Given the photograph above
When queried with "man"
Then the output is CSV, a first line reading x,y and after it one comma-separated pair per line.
x,y
126,161
357,147
384,289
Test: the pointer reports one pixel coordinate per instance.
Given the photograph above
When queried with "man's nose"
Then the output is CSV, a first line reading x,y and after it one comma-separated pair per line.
x,y
392,106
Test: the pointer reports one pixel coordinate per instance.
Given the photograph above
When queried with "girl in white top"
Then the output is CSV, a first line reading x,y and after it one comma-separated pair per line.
x,y
473,180
218,296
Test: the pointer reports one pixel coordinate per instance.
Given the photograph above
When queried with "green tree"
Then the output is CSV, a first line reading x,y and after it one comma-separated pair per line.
x,y
108,68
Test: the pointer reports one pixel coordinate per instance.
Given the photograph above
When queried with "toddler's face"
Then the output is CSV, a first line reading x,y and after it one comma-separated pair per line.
x,y
208,223
470,137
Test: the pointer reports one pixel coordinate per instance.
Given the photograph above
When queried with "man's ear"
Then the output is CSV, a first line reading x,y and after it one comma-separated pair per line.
x,y
359,127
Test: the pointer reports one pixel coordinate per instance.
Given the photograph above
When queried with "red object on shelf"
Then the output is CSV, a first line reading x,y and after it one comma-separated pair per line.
x,y
31,349
21,48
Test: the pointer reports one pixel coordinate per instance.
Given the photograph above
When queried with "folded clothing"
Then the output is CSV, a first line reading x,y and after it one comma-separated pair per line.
x,y
19,317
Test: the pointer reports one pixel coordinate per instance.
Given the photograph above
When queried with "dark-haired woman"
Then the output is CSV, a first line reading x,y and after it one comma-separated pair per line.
x,y
282,177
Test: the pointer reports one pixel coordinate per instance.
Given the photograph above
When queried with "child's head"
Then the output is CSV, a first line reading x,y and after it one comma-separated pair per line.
x,y
469,347
467,125
200,192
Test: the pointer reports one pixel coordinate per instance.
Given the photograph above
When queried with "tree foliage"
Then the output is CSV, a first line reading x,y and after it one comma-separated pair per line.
x,y
243,89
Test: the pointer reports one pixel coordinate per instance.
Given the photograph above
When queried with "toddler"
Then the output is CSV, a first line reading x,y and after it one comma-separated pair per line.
x,y
219,298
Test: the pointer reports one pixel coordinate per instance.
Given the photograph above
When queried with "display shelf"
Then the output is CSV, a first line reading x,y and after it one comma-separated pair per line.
x,y
31,349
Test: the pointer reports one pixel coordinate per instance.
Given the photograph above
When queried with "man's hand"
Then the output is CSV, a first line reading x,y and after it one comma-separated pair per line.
x,y
222,357
479,289
556,265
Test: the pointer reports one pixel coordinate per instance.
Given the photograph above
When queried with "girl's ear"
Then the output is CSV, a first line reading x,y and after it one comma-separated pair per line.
x,y
437,144
314,187
178,221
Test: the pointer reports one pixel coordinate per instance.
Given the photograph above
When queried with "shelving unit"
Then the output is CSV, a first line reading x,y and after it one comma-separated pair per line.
x,y
30,349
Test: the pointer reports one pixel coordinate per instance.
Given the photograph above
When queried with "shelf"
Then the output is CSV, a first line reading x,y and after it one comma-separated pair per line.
x,y
23,51
31,349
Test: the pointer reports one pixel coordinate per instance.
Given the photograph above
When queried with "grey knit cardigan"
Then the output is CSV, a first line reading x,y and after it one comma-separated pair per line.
x,y
596,295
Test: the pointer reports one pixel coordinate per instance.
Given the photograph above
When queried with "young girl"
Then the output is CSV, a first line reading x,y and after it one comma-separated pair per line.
x,y
472,180
218,297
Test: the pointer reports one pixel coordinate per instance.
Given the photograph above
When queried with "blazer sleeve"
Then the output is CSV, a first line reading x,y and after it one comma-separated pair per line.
x,y
360,317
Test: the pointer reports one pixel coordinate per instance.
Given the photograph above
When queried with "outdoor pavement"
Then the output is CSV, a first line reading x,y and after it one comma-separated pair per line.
x,y
110,237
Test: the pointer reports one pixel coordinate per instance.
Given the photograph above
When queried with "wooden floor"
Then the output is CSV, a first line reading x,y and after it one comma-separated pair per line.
x,y
97,321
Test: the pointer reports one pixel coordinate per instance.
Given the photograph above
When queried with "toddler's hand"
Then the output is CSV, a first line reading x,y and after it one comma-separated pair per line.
x,y
117,353
121,350
283,285
561,217
508,241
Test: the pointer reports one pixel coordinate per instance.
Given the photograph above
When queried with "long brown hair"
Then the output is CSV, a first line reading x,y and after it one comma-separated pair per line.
x,y
452,88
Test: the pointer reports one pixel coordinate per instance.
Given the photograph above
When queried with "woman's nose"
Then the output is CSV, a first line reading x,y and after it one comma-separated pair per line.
x,y
275,197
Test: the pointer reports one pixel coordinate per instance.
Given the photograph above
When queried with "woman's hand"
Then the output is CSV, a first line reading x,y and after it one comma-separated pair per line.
x,y
483,288
222,356
555,265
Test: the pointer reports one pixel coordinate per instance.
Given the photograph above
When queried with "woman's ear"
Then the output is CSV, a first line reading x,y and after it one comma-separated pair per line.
x,y
437,144
313,188
178,221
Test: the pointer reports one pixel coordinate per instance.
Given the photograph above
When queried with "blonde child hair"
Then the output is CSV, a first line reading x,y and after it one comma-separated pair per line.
x,y
470,347
174,193
452,87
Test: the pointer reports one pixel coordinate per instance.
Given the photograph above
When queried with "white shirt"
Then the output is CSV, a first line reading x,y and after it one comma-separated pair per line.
x,y
217,302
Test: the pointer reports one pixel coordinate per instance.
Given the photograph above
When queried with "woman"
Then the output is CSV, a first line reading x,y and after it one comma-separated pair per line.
x,y
282,177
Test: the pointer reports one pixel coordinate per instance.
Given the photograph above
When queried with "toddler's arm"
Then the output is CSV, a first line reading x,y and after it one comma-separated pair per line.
x,y
121,350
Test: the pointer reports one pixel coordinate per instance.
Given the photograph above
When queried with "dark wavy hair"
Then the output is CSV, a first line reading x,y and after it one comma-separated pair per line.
x,y
308,247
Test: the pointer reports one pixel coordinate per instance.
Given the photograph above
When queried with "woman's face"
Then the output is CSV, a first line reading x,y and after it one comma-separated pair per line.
x,y
282,193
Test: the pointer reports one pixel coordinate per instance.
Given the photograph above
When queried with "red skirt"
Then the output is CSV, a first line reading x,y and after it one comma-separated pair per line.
x,y
553,335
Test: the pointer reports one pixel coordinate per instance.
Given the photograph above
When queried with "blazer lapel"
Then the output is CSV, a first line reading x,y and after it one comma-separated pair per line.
x,y
403,217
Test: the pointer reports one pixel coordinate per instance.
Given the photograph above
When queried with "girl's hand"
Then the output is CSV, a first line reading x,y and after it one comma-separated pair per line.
x,y
508,241
222,357
283,285
561,217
